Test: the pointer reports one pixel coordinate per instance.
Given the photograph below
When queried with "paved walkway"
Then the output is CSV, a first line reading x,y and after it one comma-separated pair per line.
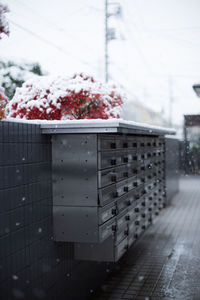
x,y
165,263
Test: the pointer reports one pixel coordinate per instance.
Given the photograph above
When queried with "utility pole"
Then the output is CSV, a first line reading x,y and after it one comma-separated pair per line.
x,y
171,100
106,40
110,33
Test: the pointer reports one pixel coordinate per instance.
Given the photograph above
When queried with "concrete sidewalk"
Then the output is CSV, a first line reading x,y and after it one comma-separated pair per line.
x,y
165,262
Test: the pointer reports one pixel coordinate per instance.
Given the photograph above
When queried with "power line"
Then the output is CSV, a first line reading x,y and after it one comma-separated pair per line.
x,y
67,16
189,43
164,34
174,29
54,25
68,53
137,47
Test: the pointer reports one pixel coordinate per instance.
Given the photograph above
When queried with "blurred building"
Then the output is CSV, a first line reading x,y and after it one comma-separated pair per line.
x,y
135,111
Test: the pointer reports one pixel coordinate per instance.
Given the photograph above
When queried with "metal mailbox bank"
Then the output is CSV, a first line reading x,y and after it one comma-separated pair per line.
x,y
108,184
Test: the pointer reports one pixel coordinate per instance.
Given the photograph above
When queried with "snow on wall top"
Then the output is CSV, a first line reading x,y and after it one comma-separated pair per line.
x,y
84,125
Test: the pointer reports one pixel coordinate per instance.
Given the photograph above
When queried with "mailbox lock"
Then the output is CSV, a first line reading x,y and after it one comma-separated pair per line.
x,y
137,209
137,222
126,189
125,159
113,178
113,145
114,211
126,232
128,202
115,194
113,162
127,218
114,228
125,174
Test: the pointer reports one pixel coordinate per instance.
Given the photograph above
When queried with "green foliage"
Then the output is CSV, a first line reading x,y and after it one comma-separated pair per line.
x,y
13,75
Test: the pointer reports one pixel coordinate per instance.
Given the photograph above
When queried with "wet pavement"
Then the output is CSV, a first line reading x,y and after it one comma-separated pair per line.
x,y
165,262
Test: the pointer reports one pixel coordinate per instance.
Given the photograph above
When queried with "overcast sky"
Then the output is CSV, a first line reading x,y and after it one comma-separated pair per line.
x,y
158,45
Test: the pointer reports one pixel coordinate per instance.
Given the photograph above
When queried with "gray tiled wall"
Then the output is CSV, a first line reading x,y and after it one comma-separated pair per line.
x,y
32,266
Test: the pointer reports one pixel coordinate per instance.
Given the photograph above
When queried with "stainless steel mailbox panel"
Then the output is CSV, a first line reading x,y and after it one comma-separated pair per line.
x,y
75,224
106,190
123,202
107,195
107,229
106,142
111,175
131,240
121,249
74,166
107,212
121,220
120,235
81,224
106,177
108,159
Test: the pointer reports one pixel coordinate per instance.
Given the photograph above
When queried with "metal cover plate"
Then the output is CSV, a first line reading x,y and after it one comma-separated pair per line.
x,y
74,164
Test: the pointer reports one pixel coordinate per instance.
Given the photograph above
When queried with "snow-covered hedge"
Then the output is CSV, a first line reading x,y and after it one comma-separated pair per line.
x,y
4,27
3,102
61,98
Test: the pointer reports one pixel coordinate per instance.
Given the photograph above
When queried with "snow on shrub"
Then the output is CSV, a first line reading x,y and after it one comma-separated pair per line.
x,y
3,102
61,98
4,27
14,73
